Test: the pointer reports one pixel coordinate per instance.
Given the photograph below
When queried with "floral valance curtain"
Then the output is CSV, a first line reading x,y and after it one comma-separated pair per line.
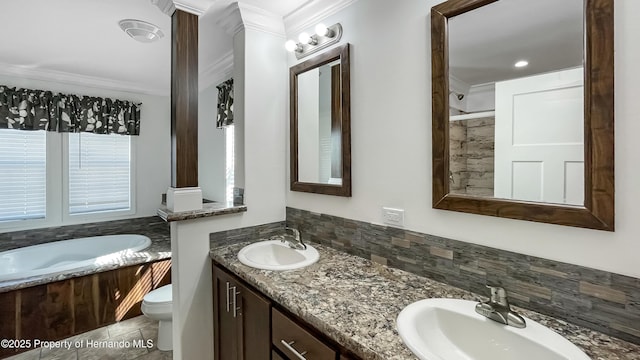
x,y
225,104
27,109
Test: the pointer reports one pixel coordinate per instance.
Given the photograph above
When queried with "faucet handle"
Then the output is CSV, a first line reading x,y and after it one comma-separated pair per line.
x,y
296,232
498,295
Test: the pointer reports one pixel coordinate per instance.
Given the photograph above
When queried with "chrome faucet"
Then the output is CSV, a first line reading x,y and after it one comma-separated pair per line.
x,y
296,243
498,308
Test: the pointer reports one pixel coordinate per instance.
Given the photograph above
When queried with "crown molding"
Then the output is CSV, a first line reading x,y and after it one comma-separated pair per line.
x,y
166,6
195,7
217,72
82,80
458,85
230,19
311,13
482,88
238,16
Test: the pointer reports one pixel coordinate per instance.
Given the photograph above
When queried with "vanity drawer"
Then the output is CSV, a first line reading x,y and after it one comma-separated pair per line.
x,y
288,337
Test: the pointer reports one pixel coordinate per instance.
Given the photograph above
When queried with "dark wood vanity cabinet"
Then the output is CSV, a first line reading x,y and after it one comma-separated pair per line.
x,y
295,342
257,330
241,320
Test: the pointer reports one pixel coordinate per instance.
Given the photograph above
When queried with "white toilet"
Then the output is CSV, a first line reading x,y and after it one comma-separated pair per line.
x,y
157,306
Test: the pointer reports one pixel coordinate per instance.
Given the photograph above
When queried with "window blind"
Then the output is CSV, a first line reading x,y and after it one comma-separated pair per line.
x,y
229,161
99,173
23,174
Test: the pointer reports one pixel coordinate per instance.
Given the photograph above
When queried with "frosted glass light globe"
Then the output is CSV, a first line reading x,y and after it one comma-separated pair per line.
x,y
321,29
304,38
291,46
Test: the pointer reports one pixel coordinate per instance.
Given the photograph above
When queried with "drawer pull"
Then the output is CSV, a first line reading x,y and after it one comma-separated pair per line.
x,y
289,345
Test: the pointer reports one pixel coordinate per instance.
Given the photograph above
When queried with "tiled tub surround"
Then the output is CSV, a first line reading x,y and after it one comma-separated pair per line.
x,y
355,302
599,300
153,227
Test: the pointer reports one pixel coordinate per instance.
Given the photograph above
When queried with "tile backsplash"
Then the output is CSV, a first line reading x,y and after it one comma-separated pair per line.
x,y
603,301
253,233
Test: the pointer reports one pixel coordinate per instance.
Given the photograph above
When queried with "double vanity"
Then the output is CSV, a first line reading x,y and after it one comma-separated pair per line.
x,y
340,306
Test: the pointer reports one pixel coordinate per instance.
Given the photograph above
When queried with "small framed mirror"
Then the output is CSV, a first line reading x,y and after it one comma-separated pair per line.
x,y
523,110
321,124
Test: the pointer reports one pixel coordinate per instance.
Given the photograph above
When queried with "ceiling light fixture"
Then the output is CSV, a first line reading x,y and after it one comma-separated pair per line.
x,y
521,63
308,44
141,31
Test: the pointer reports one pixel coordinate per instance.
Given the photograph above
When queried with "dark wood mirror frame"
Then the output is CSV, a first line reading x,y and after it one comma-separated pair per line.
x,y
339,53
598,210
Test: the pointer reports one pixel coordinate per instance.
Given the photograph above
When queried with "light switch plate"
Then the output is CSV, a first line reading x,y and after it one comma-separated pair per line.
x,y
391,216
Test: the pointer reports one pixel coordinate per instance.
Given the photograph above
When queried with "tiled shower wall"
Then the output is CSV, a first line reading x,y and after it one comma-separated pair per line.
x,y
152,226
603,301
471,149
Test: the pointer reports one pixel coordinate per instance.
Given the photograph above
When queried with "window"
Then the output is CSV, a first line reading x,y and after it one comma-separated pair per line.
x,y
51,179
23,165
99,173
229,161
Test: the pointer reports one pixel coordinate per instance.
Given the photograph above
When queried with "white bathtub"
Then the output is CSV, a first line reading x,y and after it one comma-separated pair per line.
x,y
65,255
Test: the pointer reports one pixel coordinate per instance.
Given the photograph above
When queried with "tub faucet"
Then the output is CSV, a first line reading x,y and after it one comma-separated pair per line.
x,y
293,241
498,308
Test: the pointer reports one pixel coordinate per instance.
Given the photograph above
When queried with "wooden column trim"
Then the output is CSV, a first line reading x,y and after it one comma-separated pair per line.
x,y
184,100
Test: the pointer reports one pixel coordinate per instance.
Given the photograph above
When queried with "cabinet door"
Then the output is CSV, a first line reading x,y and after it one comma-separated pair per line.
x,y
241,324
254,322
225,328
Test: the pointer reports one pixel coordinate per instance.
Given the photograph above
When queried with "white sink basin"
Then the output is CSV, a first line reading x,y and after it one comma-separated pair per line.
x,y
450,329
276,255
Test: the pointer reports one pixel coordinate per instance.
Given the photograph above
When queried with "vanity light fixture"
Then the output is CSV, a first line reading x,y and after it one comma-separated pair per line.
x,y
309,44
292,46
307,39
521,64
141,31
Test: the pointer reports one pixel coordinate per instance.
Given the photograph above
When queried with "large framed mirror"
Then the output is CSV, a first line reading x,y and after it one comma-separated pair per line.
x,y
321,124
523,110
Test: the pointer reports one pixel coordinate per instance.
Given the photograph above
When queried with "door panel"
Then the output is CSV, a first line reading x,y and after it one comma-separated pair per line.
x,y
539,145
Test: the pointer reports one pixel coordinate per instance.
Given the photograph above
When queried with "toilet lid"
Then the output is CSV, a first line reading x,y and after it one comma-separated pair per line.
x,y
159,295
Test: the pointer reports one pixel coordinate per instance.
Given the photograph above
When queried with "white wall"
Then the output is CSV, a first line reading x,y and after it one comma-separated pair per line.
x,y
309,126
391,142
211,147
260,81
153,147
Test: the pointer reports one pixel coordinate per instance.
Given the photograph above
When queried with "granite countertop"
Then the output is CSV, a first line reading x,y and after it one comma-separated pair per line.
x,y
159,249
208,209
355,302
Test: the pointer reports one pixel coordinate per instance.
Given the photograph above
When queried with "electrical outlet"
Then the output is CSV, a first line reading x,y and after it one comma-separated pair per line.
x,y
391,216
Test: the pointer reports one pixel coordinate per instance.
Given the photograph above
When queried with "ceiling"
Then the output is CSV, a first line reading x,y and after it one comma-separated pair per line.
x,y
81,39
484,44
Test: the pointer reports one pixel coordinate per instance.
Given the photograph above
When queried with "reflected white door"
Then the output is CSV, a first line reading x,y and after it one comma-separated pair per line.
x,y
539,144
